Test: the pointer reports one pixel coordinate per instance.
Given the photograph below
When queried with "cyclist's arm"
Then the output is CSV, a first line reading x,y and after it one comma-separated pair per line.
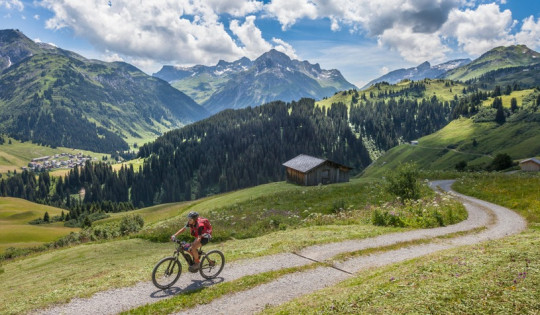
x,y
179,231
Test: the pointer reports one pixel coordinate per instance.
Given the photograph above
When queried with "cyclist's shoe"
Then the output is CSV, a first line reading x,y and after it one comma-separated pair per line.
x,y
194,267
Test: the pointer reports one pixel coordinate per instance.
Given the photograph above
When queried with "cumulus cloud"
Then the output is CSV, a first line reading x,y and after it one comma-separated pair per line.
x,y
163,30
237,8
418,29
530,33
397,24
12,4
251,37
111,57
477,31
288,12
285,48
166,31
415,47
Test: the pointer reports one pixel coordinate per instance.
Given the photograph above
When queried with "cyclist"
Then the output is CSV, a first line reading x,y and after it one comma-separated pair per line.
x,y
201,229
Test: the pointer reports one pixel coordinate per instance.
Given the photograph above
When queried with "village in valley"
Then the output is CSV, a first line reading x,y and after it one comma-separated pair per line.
x,y
61,160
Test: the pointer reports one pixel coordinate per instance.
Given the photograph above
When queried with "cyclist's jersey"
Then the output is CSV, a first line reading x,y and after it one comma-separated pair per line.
x,y
202,228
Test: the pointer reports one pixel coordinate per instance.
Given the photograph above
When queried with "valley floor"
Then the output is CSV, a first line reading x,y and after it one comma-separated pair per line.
x,y
497,221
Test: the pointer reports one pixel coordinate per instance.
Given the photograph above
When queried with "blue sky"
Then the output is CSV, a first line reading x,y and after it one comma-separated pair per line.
x,y
362,38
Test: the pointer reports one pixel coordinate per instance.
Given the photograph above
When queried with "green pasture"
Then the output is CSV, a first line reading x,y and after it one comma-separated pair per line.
x,y
18,154
15,231
463,140
506,99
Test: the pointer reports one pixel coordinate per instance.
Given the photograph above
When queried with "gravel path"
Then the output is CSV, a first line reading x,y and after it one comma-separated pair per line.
x,y
500,222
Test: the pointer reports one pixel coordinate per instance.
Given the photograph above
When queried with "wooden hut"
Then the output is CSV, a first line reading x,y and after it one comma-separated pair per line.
x,y
530,165
309,171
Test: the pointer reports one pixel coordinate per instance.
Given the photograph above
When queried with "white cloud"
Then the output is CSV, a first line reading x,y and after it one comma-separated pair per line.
x,y
530,33
12,4
384,70
477,31
285,48
166,31
397,24
163,30
111,57
251,37
289,11
237,8
414,47
36,17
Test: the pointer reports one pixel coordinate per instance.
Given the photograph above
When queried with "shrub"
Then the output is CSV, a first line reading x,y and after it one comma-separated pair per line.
x,y
501,162
403,182
131,224
423,213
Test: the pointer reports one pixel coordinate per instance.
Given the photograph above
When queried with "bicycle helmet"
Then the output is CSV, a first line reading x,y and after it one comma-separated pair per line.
x,y
193,215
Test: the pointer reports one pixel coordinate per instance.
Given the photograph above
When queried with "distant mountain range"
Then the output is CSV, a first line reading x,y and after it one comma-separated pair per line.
x,y
420,72
272,76
56,97
499,66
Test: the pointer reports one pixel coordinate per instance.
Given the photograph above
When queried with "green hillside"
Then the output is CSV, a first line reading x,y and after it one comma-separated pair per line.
x,y
495,59
15,231
464,140
58,98
18,154
444,90
201,87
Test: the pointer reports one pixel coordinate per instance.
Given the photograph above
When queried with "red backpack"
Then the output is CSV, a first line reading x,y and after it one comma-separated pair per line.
x,y
206,227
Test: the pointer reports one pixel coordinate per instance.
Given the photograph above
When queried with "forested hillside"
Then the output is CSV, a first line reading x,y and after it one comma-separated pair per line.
x,y
236,149
58,98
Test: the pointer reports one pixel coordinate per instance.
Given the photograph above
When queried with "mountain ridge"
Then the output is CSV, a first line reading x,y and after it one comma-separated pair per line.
x,y
241,83
420,72
59,98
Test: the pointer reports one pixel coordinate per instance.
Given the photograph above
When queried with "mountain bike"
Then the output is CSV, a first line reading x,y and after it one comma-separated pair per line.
x,y
168,270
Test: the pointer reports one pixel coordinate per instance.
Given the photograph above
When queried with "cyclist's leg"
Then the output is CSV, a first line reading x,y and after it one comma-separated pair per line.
x,y
195,250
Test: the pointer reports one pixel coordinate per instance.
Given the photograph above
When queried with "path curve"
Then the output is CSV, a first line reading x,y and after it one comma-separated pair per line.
x,y
499,221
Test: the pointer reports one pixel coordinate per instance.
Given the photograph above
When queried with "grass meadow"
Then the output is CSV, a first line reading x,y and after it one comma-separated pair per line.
x,y
18,154
124,262
15,231
454,143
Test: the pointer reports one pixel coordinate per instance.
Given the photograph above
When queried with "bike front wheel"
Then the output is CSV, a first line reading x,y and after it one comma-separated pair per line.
x,y
166,272
212,264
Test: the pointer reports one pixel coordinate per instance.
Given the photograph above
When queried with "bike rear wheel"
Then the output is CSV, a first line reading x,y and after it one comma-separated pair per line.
x,y
166,272
212,264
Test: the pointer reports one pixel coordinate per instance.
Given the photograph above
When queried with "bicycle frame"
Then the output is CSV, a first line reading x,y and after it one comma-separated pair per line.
x,y
187,255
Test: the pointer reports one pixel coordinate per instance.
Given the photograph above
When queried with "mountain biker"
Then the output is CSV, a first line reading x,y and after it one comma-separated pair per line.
x,y
201,229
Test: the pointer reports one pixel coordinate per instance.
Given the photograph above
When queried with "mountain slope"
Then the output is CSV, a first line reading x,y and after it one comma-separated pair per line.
x,y
495,59
476,140
59,98
272,76
420,72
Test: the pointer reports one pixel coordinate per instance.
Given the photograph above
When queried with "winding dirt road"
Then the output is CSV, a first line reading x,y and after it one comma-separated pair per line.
x,y
499,222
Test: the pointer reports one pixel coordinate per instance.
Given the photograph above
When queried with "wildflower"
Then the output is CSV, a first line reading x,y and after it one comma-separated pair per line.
x,y
392,279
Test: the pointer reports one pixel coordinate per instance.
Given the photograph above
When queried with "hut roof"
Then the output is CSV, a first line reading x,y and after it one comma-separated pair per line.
x,y
535,160
305,163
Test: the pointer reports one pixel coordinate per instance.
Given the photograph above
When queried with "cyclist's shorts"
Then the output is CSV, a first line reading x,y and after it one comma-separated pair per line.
x,y
204,240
